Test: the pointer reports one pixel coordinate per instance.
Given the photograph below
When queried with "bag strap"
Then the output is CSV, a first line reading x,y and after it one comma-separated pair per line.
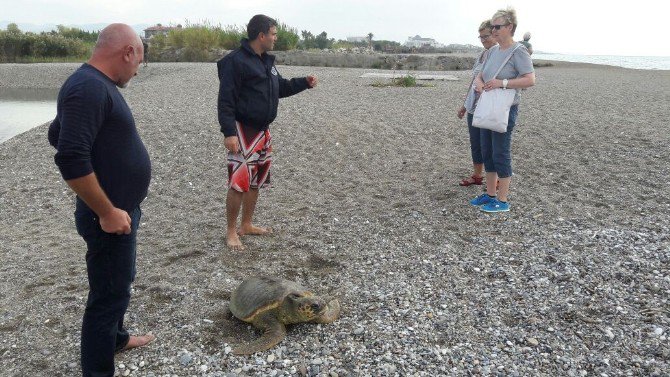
x,y
506,59
483,56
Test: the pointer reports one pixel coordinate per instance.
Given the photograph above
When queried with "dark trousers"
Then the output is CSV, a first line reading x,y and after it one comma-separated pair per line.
x,y
475,141
497,147
110,263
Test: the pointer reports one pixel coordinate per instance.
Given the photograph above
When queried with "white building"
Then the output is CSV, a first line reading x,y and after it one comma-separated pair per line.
x,y
416,42
357,39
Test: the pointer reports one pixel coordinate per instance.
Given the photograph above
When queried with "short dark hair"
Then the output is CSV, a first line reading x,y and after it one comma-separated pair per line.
x,y
259,23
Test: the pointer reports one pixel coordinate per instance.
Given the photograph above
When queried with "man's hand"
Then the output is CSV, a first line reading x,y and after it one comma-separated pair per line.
x,y
117,221
232,144
311,81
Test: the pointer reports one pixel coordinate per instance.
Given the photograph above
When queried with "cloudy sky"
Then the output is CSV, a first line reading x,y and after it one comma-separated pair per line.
x,y
594,27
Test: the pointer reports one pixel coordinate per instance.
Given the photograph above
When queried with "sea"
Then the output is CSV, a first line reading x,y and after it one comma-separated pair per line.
x,y
633,62
21,110
24,109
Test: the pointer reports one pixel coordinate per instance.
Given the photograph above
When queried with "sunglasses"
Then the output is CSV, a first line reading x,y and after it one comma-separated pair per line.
x,y
497,27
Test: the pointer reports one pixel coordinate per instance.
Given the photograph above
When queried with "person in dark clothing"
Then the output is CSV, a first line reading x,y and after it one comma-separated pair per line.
x,y
249,92
526,42
103,160
145,45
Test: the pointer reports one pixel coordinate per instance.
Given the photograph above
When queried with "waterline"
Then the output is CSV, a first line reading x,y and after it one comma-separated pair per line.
x,y
634,62
24,109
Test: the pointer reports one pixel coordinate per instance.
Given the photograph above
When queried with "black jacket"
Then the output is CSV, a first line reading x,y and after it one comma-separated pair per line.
x,y
250,88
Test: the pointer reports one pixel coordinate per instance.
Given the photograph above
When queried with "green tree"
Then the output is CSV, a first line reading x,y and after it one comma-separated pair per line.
x,y
307,41
74,33
13,29
323,42
287,37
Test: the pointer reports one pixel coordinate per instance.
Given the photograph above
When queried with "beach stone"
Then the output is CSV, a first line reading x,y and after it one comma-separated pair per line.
x,y
185,359
532,342
302,369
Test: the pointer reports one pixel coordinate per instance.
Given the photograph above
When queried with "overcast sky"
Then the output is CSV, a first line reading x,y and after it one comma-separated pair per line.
x,y
598,27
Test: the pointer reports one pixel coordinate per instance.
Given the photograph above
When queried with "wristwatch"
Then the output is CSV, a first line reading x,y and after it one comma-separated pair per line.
x,y
505,81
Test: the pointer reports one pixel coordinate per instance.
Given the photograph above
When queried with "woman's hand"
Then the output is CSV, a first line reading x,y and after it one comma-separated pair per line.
x,y
492,84
461,112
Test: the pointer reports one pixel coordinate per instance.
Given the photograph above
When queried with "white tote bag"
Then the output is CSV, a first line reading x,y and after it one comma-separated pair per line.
x,y
492,111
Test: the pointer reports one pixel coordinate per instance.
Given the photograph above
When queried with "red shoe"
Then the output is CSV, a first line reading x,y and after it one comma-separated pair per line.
x,y
473,180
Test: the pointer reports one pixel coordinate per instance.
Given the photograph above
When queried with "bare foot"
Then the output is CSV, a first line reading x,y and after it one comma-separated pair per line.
x,y
233,241
139,341
253,230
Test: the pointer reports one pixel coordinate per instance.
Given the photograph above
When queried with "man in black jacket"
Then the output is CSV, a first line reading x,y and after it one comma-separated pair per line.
x,y
249,92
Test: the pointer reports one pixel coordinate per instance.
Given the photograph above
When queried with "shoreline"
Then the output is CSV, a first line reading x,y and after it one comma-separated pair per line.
x,y
366,202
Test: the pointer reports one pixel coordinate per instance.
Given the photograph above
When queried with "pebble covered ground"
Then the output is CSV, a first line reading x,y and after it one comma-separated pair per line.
x,y
574,281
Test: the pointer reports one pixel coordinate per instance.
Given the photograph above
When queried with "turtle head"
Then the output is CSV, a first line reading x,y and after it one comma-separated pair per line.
x,y
302,307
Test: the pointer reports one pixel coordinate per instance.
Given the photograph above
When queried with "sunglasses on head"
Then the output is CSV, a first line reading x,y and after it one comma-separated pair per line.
x,y
497,27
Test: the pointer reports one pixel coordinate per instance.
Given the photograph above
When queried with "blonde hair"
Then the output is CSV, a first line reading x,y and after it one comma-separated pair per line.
x,y
509,15
485,25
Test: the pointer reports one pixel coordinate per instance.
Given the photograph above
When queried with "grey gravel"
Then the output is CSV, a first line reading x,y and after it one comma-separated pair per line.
x,y
574,281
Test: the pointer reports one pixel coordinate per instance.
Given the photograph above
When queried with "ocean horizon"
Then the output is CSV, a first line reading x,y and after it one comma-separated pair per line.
x,y
633,62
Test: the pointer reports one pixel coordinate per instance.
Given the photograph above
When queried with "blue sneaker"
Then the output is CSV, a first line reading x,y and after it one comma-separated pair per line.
x,y
481,200
495,205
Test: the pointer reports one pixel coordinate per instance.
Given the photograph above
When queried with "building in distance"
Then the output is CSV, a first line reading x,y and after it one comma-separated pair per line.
x,y
357,39
159,29
417,42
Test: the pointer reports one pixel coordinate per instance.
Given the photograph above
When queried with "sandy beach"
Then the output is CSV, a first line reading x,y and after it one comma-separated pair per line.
x,y
574,281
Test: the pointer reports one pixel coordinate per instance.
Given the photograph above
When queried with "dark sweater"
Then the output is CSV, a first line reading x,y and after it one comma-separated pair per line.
x,y
250,88
94,131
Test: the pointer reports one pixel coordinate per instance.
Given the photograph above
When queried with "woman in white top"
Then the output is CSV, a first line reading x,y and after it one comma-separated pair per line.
x,y
517,73
468,107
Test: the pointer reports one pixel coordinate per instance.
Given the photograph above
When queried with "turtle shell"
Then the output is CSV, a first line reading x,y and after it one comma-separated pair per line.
x,y
259,293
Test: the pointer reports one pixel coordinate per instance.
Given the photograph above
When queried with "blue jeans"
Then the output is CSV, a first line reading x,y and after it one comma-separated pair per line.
x,y
497,147
475,142
110,263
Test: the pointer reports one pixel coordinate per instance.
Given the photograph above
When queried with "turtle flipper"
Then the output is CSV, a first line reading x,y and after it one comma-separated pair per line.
x,y
274,332
331,313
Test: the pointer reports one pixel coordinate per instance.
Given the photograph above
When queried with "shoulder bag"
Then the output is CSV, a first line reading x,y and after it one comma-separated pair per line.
x,y
492,111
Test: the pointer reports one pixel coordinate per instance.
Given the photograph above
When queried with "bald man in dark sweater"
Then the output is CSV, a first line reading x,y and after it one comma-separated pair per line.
x,y
102,158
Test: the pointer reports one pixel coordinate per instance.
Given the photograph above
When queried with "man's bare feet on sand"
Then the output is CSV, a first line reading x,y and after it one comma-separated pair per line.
x,y
252,230
233,241
139,341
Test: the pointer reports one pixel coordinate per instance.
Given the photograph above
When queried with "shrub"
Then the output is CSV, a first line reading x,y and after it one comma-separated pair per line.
x,y
287,37
191,54
74,33
406,81
229,37
16,46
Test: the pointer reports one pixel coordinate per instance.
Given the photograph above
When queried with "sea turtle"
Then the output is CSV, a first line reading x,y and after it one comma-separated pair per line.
x,y
270,303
